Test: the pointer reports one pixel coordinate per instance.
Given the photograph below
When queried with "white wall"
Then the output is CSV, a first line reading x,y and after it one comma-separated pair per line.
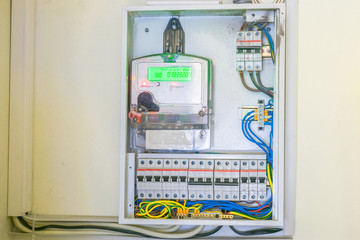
x,y
328,197
4,110
328,192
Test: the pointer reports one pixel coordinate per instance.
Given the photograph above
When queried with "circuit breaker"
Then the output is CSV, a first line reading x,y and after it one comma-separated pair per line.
x,y
249,51
201,177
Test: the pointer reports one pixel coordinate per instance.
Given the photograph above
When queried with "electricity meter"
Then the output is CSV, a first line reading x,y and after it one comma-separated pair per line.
x,y
170,102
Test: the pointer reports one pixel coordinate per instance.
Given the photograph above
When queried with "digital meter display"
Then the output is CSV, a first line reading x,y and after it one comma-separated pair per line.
x,y
169,73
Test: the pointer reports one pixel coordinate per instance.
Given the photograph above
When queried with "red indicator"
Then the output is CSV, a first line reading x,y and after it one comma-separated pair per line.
x,y
144,83
173,84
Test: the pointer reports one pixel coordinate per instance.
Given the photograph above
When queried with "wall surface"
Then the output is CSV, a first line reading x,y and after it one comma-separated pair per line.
x,y
328,190
328,113
4,110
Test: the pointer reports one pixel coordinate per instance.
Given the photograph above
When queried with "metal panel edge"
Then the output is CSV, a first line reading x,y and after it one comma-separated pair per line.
x,y
21,107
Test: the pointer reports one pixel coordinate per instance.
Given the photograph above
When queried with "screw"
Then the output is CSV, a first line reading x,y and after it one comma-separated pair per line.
x,y
141,195
226,196
142,162
209,163
201,196
240,34
244,163
253,197
184,162
209,196
167,162
183,196
235,163
261,197
150,195
175,195
227,163
253,163
261,163
248,33
159,162
192,196
257,34
146,30
192,162
243,196
176,162
234,197
150,162
158,195
219,163
201,163
218,196
268,29
166,195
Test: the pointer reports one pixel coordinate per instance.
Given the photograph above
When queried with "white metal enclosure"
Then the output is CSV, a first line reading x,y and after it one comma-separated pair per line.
x,y
209,33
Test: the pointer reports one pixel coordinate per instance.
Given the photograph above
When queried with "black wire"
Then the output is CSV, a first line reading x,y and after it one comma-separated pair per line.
x,y
23,222
261,231
208,233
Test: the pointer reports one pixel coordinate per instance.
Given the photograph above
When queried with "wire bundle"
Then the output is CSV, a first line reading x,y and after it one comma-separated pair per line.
x,y
164,209
255,76
66,228
252,137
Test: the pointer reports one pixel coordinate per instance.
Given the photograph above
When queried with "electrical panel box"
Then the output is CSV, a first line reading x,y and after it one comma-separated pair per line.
x,y
205,120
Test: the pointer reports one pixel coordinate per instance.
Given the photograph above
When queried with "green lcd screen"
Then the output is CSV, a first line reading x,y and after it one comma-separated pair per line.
x,y
169,73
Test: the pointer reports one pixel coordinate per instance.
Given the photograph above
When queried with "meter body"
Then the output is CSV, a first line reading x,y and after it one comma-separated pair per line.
x,y
170,102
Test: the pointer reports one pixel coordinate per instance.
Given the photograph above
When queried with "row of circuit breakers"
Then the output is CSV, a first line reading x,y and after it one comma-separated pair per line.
x,y
201,179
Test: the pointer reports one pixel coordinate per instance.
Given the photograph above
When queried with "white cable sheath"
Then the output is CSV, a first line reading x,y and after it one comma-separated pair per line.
x,y
159,228
22,228
153,233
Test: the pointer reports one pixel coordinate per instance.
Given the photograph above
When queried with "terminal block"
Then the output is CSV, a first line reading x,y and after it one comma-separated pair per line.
x,y
261,115
248,51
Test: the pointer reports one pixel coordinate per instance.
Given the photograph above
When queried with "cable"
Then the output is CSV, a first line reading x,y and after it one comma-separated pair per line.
x,y
269,39
260,1
261,231
127,229
260,82
164,229
208,233
263,90
245,84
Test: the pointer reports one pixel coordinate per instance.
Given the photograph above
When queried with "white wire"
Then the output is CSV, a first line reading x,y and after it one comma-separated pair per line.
x,y
160,229
24,229
157,228
154,233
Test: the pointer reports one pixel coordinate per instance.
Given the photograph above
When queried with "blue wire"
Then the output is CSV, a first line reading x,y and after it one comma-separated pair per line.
x,y
246,128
